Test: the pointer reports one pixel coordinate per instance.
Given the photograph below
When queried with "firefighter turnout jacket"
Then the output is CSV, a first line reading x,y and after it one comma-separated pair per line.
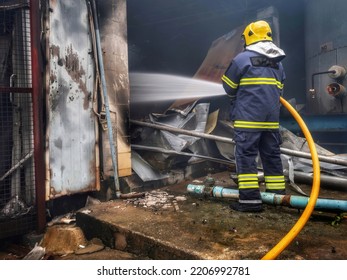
x,y
254,83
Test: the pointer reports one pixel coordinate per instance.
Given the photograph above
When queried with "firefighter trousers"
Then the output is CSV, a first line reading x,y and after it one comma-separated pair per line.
x,y
250,144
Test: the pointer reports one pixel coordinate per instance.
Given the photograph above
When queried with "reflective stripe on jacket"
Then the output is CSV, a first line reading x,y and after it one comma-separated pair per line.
x,y
254,83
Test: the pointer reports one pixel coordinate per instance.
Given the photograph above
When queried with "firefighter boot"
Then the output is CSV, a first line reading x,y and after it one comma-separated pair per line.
x,y
246,207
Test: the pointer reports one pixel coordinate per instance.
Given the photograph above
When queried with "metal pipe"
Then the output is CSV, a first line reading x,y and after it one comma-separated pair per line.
x,y
293,201
37,98
133,195
337,161
12,84
17,165
286,151
319,73
173,152
183,131
333,182
105,95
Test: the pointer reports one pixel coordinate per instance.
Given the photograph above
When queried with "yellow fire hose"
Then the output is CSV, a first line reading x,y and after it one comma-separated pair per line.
x,y
286,240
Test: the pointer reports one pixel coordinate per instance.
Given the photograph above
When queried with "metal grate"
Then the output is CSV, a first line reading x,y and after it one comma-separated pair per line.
x,y
17,182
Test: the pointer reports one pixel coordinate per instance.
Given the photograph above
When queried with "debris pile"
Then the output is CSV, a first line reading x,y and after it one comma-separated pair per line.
x,y
158,200
197,132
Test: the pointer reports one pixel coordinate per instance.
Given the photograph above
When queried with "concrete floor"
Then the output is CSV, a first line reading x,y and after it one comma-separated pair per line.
x,y
170,223
181,225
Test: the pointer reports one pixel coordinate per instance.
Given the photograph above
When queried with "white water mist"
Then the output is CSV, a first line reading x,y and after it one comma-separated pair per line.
x,y
152,87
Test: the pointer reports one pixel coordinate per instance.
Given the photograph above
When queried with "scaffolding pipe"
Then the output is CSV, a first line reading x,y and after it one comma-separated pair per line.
x,y
332,160
294,201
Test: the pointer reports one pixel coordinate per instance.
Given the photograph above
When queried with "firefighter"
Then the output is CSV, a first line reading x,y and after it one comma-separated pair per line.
x,y
254,82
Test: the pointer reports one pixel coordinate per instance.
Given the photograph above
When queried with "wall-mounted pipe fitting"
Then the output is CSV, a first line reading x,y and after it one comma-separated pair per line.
x,y
312,90
334,72
337,72
336,90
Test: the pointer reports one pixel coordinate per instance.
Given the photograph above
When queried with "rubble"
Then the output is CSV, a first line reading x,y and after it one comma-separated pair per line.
x,y
158,200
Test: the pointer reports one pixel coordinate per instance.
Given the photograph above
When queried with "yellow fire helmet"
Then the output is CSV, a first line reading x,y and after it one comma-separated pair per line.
x,y
257,31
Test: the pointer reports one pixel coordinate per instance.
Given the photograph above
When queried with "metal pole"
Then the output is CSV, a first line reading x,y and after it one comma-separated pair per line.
x,y
105,95
332,182
173,152
37,114
183,131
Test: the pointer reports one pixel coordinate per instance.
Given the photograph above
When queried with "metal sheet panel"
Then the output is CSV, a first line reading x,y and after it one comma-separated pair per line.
x,y
71,132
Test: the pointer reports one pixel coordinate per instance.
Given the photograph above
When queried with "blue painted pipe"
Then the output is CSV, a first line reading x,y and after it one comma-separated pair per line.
x,y
294,201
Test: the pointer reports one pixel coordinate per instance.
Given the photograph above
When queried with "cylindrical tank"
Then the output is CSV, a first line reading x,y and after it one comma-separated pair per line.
x,y
326,46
